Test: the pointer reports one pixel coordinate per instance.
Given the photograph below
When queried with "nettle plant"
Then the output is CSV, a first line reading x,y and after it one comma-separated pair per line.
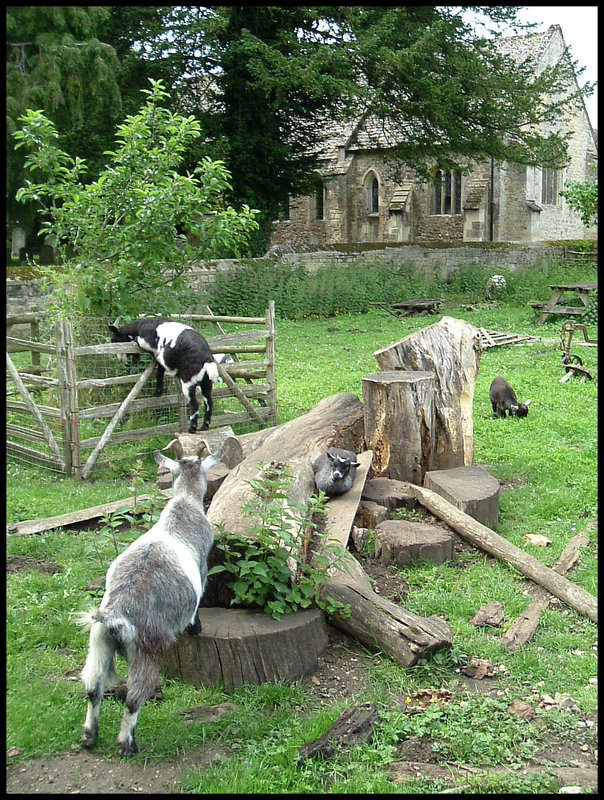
x,y
272,568
128,229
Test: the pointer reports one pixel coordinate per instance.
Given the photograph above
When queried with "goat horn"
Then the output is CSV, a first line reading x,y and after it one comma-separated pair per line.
x,y
176,445
117,322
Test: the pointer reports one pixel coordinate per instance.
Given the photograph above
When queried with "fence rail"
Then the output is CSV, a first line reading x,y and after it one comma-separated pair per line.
x,y
56,432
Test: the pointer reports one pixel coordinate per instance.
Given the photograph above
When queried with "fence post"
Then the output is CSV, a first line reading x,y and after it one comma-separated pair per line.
x,y
270,364
63,393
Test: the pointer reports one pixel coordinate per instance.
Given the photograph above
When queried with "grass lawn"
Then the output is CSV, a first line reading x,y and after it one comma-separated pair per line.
x,y
548,463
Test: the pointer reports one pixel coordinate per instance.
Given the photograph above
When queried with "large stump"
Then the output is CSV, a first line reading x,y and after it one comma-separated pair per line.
x,y
245,646
399,423
451,350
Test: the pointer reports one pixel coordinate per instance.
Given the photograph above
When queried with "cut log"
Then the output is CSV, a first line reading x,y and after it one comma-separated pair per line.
x,y
389,493
485,538
471,489
399,423
353,728
524,626
336,421
377,622
451,350
239,646
402,542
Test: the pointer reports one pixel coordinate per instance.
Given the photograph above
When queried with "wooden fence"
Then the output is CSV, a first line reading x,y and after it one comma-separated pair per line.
x,y
53,434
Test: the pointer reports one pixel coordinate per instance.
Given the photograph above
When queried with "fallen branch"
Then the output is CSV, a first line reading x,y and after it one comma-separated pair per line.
x,y
524,626
485,538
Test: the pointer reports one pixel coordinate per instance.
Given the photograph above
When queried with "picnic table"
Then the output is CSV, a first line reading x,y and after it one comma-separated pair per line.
x,y
410,307
558,304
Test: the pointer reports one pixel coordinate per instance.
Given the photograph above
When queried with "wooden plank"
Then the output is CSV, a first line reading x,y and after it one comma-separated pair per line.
x,y
46,460
32,526
27,344
48,435
45,411
487,336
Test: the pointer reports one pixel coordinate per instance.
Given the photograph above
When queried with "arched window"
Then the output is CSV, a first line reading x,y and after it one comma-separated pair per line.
x,y
375,196
446,192
371,192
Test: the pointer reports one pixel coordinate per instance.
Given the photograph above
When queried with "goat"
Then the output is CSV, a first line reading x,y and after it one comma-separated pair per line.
x,y
152,592
503,398
178,350
334,471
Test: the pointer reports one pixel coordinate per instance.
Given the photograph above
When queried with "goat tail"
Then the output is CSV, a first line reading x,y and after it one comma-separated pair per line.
x,y
86,619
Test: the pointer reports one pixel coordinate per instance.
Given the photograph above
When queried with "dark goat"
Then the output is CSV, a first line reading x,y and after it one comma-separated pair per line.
x,y
503,398
178,350
334,471
152,593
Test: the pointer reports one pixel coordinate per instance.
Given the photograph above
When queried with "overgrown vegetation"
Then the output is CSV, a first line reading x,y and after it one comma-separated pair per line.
x,y
261,565
548,488
350,288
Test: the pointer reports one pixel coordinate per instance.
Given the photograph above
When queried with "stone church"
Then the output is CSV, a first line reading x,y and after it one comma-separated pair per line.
x,y
363,197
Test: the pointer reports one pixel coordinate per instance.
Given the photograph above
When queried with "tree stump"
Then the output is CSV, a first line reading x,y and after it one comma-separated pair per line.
x,y
399,423
246,646
402,542
451,350
471,489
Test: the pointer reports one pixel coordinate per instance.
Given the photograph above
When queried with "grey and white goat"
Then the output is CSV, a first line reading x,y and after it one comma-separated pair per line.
x,y
152,593
503,398
334,471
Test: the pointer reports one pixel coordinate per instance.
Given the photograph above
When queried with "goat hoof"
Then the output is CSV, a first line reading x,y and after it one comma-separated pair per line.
x,y
89,740
127,750
205,427
194,628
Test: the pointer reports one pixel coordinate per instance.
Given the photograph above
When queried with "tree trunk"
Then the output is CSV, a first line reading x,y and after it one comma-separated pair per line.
x,y
399,423
336,421
378,622
481,536
450,349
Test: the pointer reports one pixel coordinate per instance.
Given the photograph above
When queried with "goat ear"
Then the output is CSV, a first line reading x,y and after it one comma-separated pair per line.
x,y
211,460
355,464
331,457
112,329
168,463
528,402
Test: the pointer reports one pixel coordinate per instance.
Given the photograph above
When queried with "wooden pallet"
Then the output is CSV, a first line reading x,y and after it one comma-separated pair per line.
x,y
496,339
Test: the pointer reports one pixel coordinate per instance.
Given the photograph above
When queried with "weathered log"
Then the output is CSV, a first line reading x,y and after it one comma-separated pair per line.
x,y
377,622
352,728
336,421
524,626
399,423
451,350
485,538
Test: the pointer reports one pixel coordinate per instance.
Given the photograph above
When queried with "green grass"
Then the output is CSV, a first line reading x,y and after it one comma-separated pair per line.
x,y
550,460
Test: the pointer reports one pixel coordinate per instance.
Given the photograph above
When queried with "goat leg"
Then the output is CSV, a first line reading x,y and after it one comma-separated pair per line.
x,y
159,380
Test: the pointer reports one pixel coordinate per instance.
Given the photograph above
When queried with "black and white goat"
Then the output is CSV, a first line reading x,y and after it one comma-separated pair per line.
x,y
152,593
503,398
334,471
178,350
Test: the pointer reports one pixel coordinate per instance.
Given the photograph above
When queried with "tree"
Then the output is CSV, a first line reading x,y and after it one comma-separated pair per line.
x,y
582,197
56,63
269,81
129,227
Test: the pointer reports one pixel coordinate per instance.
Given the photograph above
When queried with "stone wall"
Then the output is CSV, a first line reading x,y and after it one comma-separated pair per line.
x,y
21,295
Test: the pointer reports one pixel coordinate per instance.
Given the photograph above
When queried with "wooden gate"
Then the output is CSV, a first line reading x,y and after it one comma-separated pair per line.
x,y
53,434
